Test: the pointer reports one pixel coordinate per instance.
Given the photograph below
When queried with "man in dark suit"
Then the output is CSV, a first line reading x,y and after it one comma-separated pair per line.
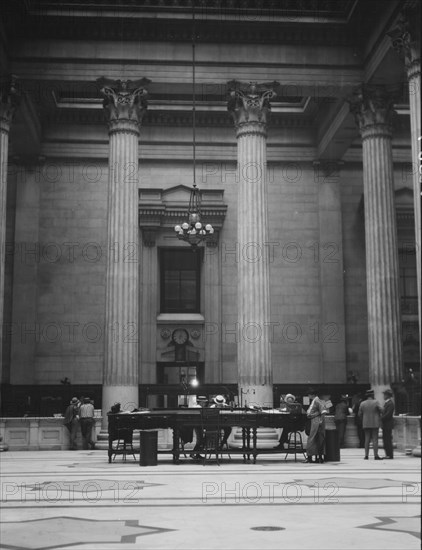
x,y
388,424
370,412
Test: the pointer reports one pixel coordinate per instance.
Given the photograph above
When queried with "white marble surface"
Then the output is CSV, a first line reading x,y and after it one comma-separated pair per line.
x,y
77,500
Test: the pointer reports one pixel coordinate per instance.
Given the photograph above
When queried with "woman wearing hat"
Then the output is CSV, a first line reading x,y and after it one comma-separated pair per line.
x,y
71,421
316,439
387,420
219,402
289,399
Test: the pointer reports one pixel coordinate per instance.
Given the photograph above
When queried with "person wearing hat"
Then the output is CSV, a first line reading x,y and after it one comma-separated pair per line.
x,y
317,410
71,421
219,402
370,412
288,400
201,402
387,420
340,418
87,423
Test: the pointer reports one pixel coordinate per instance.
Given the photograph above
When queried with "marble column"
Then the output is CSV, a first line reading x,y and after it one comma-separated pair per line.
x,y
9,99
124,105
249,105
373,110
406,40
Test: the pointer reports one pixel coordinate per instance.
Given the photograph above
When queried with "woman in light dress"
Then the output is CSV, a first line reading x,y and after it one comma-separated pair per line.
x,y
316,440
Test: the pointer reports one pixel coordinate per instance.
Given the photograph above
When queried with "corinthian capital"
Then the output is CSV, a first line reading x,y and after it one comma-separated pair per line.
x,y
9,101
373,110
405,37
249,103
125,103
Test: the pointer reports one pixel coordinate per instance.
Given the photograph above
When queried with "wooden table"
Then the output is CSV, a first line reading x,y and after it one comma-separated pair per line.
x,y
248,420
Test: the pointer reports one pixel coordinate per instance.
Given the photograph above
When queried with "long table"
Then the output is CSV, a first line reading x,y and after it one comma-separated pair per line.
x,y
248,420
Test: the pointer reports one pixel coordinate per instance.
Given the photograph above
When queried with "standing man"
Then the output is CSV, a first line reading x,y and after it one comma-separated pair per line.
x,y
87,423
388,424
370,413
357,400
340,418
71,421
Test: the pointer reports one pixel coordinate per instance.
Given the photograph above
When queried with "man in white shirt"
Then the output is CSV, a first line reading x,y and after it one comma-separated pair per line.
x,y
86,416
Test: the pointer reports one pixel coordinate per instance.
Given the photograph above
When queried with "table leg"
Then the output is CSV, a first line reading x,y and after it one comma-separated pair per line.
x,y
254,450
176,454
110,450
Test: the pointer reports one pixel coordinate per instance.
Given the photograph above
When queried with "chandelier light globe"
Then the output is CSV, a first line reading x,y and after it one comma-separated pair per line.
x,y
178,229
208,227
185,226
198,225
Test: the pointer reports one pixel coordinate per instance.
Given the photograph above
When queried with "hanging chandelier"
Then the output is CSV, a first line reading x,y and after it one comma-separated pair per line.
x,y
194,230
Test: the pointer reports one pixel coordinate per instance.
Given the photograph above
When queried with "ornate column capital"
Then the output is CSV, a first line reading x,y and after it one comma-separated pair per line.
x,y
125,103
373,109
406,40
9,101
249,104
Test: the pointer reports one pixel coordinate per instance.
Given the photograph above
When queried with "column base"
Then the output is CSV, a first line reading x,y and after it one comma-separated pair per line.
x,y
260,396
127,396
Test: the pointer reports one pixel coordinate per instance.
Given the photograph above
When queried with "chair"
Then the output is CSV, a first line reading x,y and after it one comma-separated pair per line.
x,y
295,445
185,436
211,433
124,437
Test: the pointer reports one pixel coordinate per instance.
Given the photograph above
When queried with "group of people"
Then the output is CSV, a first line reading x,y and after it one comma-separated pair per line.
x,y
80,412
370,414
373,416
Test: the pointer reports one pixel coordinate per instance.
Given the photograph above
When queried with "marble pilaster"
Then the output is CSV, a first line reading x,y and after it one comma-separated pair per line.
x,y
9,99
373,110
124,105
249,105
212,306
406,41
330,259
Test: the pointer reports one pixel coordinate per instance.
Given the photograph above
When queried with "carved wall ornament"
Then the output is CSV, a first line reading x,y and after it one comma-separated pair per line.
x,y
195,333
405,37
125,102
250,102
9,100
373,108
165,333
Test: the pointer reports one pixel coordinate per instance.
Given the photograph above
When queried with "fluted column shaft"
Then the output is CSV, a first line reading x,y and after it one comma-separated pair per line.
x,y
414,75
8,103
405,39
373,111
249,106
124,108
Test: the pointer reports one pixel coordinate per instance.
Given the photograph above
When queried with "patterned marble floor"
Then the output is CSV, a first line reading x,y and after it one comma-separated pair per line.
x,y
76,500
